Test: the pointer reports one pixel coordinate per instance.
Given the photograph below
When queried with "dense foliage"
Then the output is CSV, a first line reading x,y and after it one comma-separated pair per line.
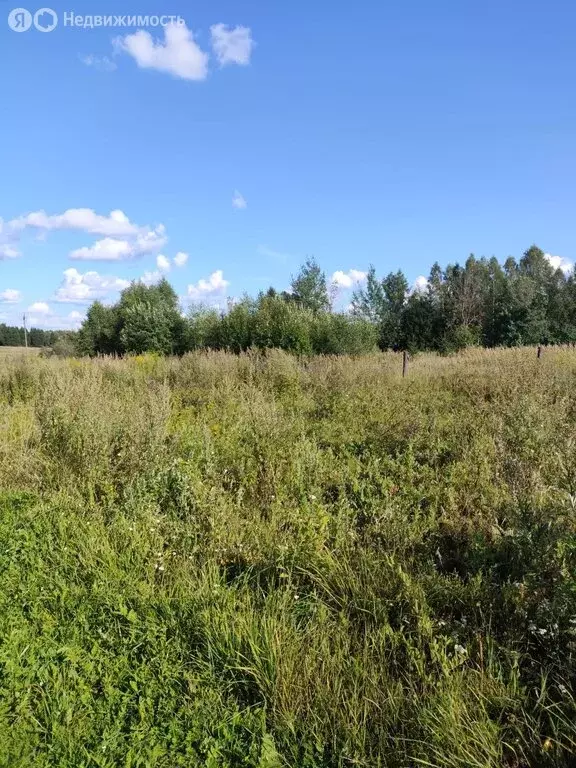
x,y
480,303
264,561
12,336
148,319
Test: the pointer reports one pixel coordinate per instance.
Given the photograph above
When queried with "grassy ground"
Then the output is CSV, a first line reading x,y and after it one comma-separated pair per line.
x,y
18,351
244,561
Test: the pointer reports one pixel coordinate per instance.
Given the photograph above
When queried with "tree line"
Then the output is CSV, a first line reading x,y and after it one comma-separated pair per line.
x,y
479,303
13,336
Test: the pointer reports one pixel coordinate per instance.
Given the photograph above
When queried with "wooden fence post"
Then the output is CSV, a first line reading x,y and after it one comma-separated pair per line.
x,y
404,364
539,353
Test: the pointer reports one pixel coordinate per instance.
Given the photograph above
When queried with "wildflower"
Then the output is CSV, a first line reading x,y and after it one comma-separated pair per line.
x,y
460,649
547,744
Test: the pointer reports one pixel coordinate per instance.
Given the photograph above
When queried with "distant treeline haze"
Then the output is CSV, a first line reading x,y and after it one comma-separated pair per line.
x,y
12,336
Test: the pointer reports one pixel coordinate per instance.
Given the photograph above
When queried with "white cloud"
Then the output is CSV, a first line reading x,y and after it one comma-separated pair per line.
x,y
40,308
238,201
8,251
112,249
102,63
178,54
108,249
150,241
181,259
215,285
10,296
122,239
348,279
49,319
420,284
7,239
232,45
116,224
559,262
162,263
151,278
78,288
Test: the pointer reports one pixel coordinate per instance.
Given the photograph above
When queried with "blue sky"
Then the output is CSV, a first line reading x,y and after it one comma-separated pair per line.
x,y
392,133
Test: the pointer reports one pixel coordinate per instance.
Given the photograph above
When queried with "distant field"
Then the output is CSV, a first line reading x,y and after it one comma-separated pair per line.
x,y
269,562
20,350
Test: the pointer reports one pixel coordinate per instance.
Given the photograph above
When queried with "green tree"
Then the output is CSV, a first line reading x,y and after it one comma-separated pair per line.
x,y
282,324
146,327
369,302
342,334
309,288
204,324
382,302
150,319
100,332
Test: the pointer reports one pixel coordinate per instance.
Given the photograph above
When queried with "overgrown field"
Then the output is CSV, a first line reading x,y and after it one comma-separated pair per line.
x,y
258,561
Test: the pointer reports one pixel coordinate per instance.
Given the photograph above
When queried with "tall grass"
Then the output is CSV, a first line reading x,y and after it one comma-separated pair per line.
x,y
264,561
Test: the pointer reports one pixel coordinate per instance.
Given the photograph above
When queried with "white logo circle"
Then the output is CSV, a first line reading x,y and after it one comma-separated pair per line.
x,y
45,20
20,20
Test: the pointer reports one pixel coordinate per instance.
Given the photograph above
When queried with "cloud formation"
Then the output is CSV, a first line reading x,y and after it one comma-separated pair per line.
x,y
10,296
348,279
238,201
178,54
41,315
151,277
181,259
420,284
78,288
215,285
162,263
559,262
39,308
116,224
232,45
8,251
111,249
101,63
121,238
